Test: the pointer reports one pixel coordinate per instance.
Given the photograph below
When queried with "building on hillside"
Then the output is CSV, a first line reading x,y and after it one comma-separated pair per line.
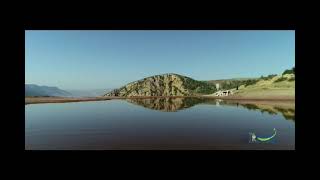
x,y
217,86
223,93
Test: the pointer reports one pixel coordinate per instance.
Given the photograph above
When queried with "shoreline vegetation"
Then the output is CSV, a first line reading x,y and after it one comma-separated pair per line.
x,y
41,100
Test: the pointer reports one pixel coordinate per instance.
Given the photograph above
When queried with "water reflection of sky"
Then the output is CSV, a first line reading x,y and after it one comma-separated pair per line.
x,y
118,124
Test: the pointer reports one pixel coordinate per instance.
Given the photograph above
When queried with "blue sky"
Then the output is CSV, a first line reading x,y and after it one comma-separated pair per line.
x,y
109,59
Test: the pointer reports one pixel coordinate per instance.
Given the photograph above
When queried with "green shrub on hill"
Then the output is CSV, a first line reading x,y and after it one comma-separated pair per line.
x,y
281,79
199,86
291,79
268,77
289,71
231,84
250,82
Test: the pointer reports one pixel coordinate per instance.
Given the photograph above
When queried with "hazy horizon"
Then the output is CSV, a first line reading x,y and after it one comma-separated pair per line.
x,y
89,60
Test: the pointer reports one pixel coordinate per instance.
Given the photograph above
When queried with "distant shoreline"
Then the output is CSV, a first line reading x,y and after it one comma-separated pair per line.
x,y
41,100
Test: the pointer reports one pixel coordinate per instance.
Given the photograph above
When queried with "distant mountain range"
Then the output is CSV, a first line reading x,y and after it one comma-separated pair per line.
x,y
88,93
36,90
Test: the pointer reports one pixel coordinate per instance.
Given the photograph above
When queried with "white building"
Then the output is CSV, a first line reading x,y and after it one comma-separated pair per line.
x,y
223,93
217,86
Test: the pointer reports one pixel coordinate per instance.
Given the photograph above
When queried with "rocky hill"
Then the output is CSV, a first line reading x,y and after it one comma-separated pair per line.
x,y
164,85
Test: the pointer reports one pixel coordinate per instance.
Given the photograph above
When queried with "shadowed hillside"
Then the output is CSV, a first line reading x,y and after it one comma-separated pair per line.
x,y
164,85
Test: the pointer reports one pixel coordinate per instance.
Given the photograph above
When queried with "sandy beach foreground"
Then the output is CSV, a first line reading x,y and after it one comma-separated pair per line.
x,y
38,100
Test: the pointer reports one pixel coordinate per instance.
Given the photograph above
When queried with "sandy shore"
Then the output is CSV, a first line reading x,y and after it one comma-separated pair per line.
x,y
254,98
37,100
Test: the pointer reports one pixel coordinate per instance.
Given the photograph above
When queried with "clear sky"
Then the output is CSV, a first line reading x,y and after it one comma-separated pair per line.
x,y
109,59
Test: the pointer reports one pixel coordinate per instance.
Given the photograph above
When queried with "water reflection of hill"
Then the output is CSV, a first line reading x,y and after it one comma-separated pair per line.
x,y
166,104
287,109
287,113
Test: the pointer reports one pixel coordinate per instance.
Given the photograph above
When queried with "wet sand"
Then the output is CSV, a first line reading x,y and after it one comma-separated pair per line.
x,y
37,100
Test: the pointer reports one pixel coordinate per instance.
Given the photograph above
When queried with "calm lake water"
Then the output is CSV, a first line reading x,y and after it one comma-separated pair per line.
x,y
166,123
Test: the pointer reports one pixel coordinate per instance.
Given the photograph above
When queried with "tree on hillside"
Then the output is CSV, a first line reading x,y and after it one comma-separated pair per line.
x,y
289,71
293,70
